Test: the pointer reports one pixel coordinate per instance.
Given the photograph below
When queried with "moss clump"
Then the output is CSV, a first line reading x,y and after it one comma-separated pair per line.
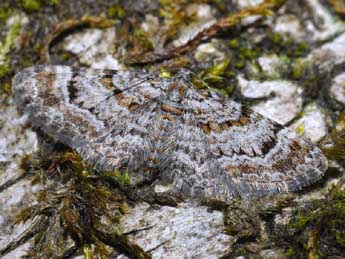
x,y
36,5
6,47
215,74
139,40
116,11
300,129
240,64
243,51
234,43
340,238
123,179
316,230
5,12
31,5
198,83
53,2
218,77
298,70
165,74
75,211
288,46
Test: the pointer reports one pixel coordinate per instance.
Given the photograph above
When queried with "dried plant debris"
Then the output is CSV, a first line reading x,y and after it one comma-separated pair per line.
x,y
75,212
165,132
70,25
246,219
265,8
338,6
334,148
316,229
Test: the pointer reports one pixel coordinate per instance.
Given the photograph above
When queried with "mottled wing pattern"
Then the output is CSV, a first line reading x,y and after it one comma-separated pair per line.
x,y
247,153
106,116
195,144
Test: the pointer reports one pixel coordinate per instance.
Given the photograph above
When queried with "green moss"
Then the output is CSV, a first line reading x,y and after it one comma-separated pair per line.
x,y
5,12
7,87
229,89
53,2
165,74
7,46
277,39
65,56
36,5
308,76
300,129
245,54
241,251
214,74
234,43
240,64
31,5
140,41
301,49
298,69
300,222
249,53
289,47
291,253
317,229
4,69
122,178
116,11
340,238
198,83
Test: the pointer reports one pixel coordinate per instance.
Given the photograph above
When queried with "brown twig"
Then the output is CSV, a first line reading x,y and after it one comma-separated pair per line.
x,y
265,8
28,234
70,25
13,181
122,244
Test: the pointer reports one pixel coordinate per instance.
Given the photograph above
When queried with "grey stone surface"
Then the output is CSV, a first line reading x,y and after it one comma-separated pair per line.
x,y
281,100
203,18
95,48
313,123
328,55
210,52
323,24
272,66
290,26
16,140
182,232
337,89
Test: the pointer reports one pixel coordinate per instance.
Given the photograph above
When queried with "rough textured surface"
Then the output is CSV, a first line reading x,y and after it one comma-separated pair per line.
x,y
312,124
92,48
205,145
16,141
283,102
329,55
197,231
337,90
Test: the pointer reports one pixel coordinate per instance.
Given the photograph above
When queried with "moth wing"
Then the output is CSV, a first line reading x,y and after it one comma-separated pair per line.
x,y
247,153
98,113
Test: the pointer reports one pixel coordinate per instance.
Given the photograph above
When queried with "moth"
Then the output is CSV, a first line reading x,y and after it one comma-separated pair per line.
x,y
165,133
